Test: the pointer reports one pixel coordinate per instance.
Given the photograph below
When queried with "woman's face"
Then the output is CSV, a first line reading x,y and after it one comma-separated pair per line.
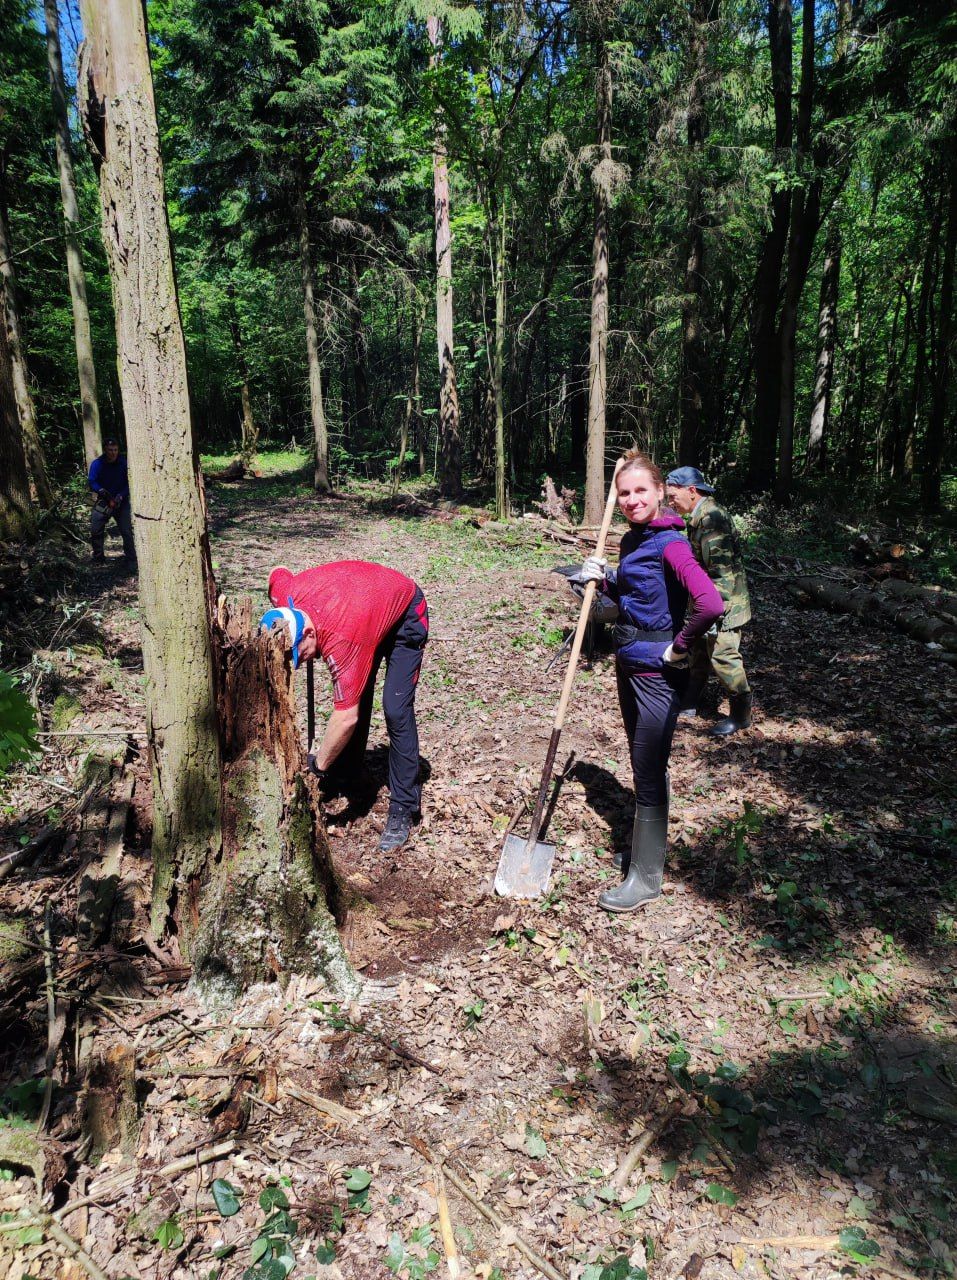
x,y
638,496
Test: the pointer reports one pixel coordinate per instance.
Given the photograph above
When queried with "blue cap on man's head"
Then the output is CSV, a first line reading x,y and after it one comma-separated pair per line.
x,y
685,477
292,618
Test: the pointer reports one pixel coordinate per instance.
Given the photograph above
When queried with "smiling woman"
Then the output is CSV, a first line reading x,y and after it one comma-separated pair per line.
x,y
665,601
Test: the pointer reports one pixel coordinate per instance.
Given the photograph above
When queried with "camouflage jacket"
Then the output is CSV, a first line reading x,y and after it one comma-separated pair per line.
x,y
717,549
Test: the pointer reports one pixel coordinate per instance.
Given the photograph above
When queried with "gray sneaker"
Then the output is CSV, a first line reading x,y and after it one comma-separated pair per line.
x,y
398,828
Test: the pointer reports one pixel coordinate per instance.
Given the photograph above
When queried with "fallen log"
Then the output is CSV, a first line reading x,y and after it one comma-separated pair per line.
x,y
906,617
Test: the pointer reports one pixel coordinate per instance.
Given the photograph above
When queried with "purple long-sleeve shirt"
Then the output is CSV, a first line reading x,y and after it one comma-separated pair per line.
x,y
705,605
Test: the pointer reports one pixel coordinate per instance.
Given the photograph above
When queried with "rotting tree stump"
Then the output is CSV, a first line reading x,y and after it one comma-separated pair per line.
x,y
268,905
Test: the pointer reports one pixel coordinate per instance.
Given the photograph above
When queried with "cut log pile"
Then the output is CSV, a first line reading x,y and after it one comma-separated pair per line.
x,y
928,614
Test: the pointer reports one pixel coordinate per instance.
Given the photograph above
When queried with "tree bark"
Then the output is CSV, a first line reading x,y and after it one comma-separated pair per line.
x,y
320,431
86,368
250,432
765,346
704,14
450,441
940,381
16,514
826,345
241,869
411,419
498,369
119,118
26,410
598,340
361,430
801,232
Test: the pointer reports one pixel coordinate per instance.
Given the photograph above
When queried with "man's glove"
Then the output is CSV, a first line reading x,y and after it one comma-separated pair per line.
x,y
593,570
672,659
103,495
325,782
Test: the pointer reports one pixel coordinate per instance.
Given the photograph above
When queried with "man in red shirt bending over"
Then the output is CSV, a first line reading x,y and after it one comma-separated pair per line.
x,y
353,615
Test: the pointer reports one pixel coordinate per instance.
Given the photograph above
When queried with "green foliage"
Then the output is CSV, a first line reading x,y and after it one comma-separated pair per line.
x,y
413,1258
226,1197
18,723
169,1234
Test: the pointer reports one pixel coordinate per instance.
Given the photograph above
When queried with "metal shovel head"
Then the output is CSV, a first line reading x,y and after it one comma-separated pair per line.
x,y
524,872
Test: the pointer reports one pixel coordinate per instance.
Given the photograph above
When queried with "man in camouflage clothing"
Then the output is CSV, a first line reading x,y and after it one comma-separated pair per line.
x,y
717,549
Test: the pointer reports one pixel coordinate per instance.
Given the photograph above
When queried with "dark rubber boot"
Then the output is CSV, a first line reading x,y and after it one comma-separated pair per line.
x,y
738,718
642,882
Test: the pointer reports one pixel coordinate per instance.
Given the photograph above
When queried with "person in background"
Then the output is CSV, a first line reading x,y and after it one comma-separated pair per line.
x,y
355,615
111,488
666,602
717,549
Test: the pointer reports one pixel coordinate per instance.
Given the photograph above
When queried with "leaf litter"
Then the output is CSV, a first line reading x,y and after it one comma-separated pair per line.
x,y
753,1074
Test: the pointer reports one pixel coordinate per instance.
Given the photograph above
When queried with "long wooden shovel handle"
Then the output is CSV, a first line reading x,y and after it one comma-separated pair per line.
x,y
559,722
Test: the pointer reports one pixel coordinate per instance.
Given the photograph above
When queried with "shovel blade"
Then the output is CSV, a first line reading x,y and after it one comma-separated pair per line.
x,y
524,872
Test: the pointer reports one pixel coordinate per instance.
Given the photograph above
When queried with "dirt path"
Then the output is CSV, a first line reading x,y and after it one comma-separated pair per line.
x,y
792,995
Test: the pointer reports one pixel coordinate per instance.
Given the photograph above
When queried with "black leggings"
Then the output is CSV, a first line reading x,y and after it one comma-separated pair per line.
x,y
649,708
402,651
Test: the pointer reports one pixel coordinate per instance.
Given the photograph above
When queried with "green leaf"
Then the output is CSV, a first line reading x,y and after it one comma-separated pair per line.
x,y
854,1242
638,1200
535,1143
326,1253
678,1058
668,1170
259,1249
719,1194
169,1235
226,1197
32,1234
357,1179
272,1198
395,1254
621,1269
857,1208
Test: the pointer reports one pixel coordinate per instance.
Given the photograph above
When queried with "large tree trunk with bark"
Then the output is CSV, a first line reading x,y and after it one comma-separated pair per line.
x,y
826,347
498,368
412,417
450,439
765,346
86,369
241,869
940,383
598,341
26,410
320,431
16,514
704,14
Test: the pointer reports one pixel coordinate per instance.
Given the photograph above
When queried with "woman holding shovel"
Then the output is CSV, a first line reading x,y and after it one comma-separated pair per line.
x,y
665,601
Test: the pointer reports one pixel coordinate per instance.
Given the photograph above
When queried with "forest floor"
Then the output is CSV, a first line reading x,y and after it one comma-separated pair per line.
x,y
777,1034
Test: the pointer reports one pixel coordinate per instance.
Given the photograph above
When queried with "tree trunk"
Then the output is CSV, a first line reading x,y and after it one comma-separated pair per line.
x,y
826,345
89,405
450,442
598,340
361,433
320,431
940,388
766,350
250,432
704,13
240,866
920,342
498,370
26,410
411,419
16,515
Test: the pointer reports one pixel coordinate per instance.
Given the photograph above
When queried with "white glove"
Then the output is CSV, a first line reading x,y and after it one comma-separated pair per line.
x,y
593,570
674,659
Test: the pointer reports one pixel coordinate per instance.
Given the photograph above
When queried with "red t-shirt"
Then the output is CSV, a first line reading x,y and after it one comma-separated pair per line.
x,y
353,605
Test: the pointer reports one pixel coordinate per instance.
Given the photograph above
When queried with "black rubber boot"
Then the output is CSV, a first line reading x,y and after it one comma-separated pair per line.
x,y
642,882
738,718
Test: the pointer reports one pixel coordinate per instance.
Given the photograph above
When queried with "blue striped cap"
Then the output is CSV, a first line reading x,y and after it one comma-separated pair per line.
x,y
292,618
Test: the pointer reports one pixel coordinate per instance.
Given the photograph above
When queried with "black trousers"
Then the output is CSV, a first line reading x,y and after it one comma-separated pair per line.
x,y
649,708
122,516
402,651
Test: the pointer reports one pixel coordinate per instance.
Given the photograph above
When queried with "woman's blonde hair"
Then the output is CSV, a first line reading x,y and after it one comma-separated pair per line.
x,y
637,460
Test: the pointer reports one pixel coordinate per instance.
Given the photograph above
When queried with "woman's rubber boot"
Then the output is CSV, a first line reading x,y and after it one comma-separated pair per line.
x,y
642,882
739,716
689,703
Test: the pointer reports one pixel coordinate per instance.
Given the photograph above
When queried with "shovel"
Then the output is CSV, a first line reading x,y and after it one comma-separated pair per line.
x,y
525,866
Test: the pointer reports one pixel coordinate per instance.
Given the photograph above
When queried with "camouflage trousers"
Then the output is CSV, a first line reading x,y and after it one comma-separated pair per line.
x,y
722,655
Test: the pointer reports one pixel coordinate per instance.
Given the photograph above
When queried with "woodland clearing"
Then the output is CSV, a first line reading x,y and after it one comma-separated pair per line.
x,y
773,1043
